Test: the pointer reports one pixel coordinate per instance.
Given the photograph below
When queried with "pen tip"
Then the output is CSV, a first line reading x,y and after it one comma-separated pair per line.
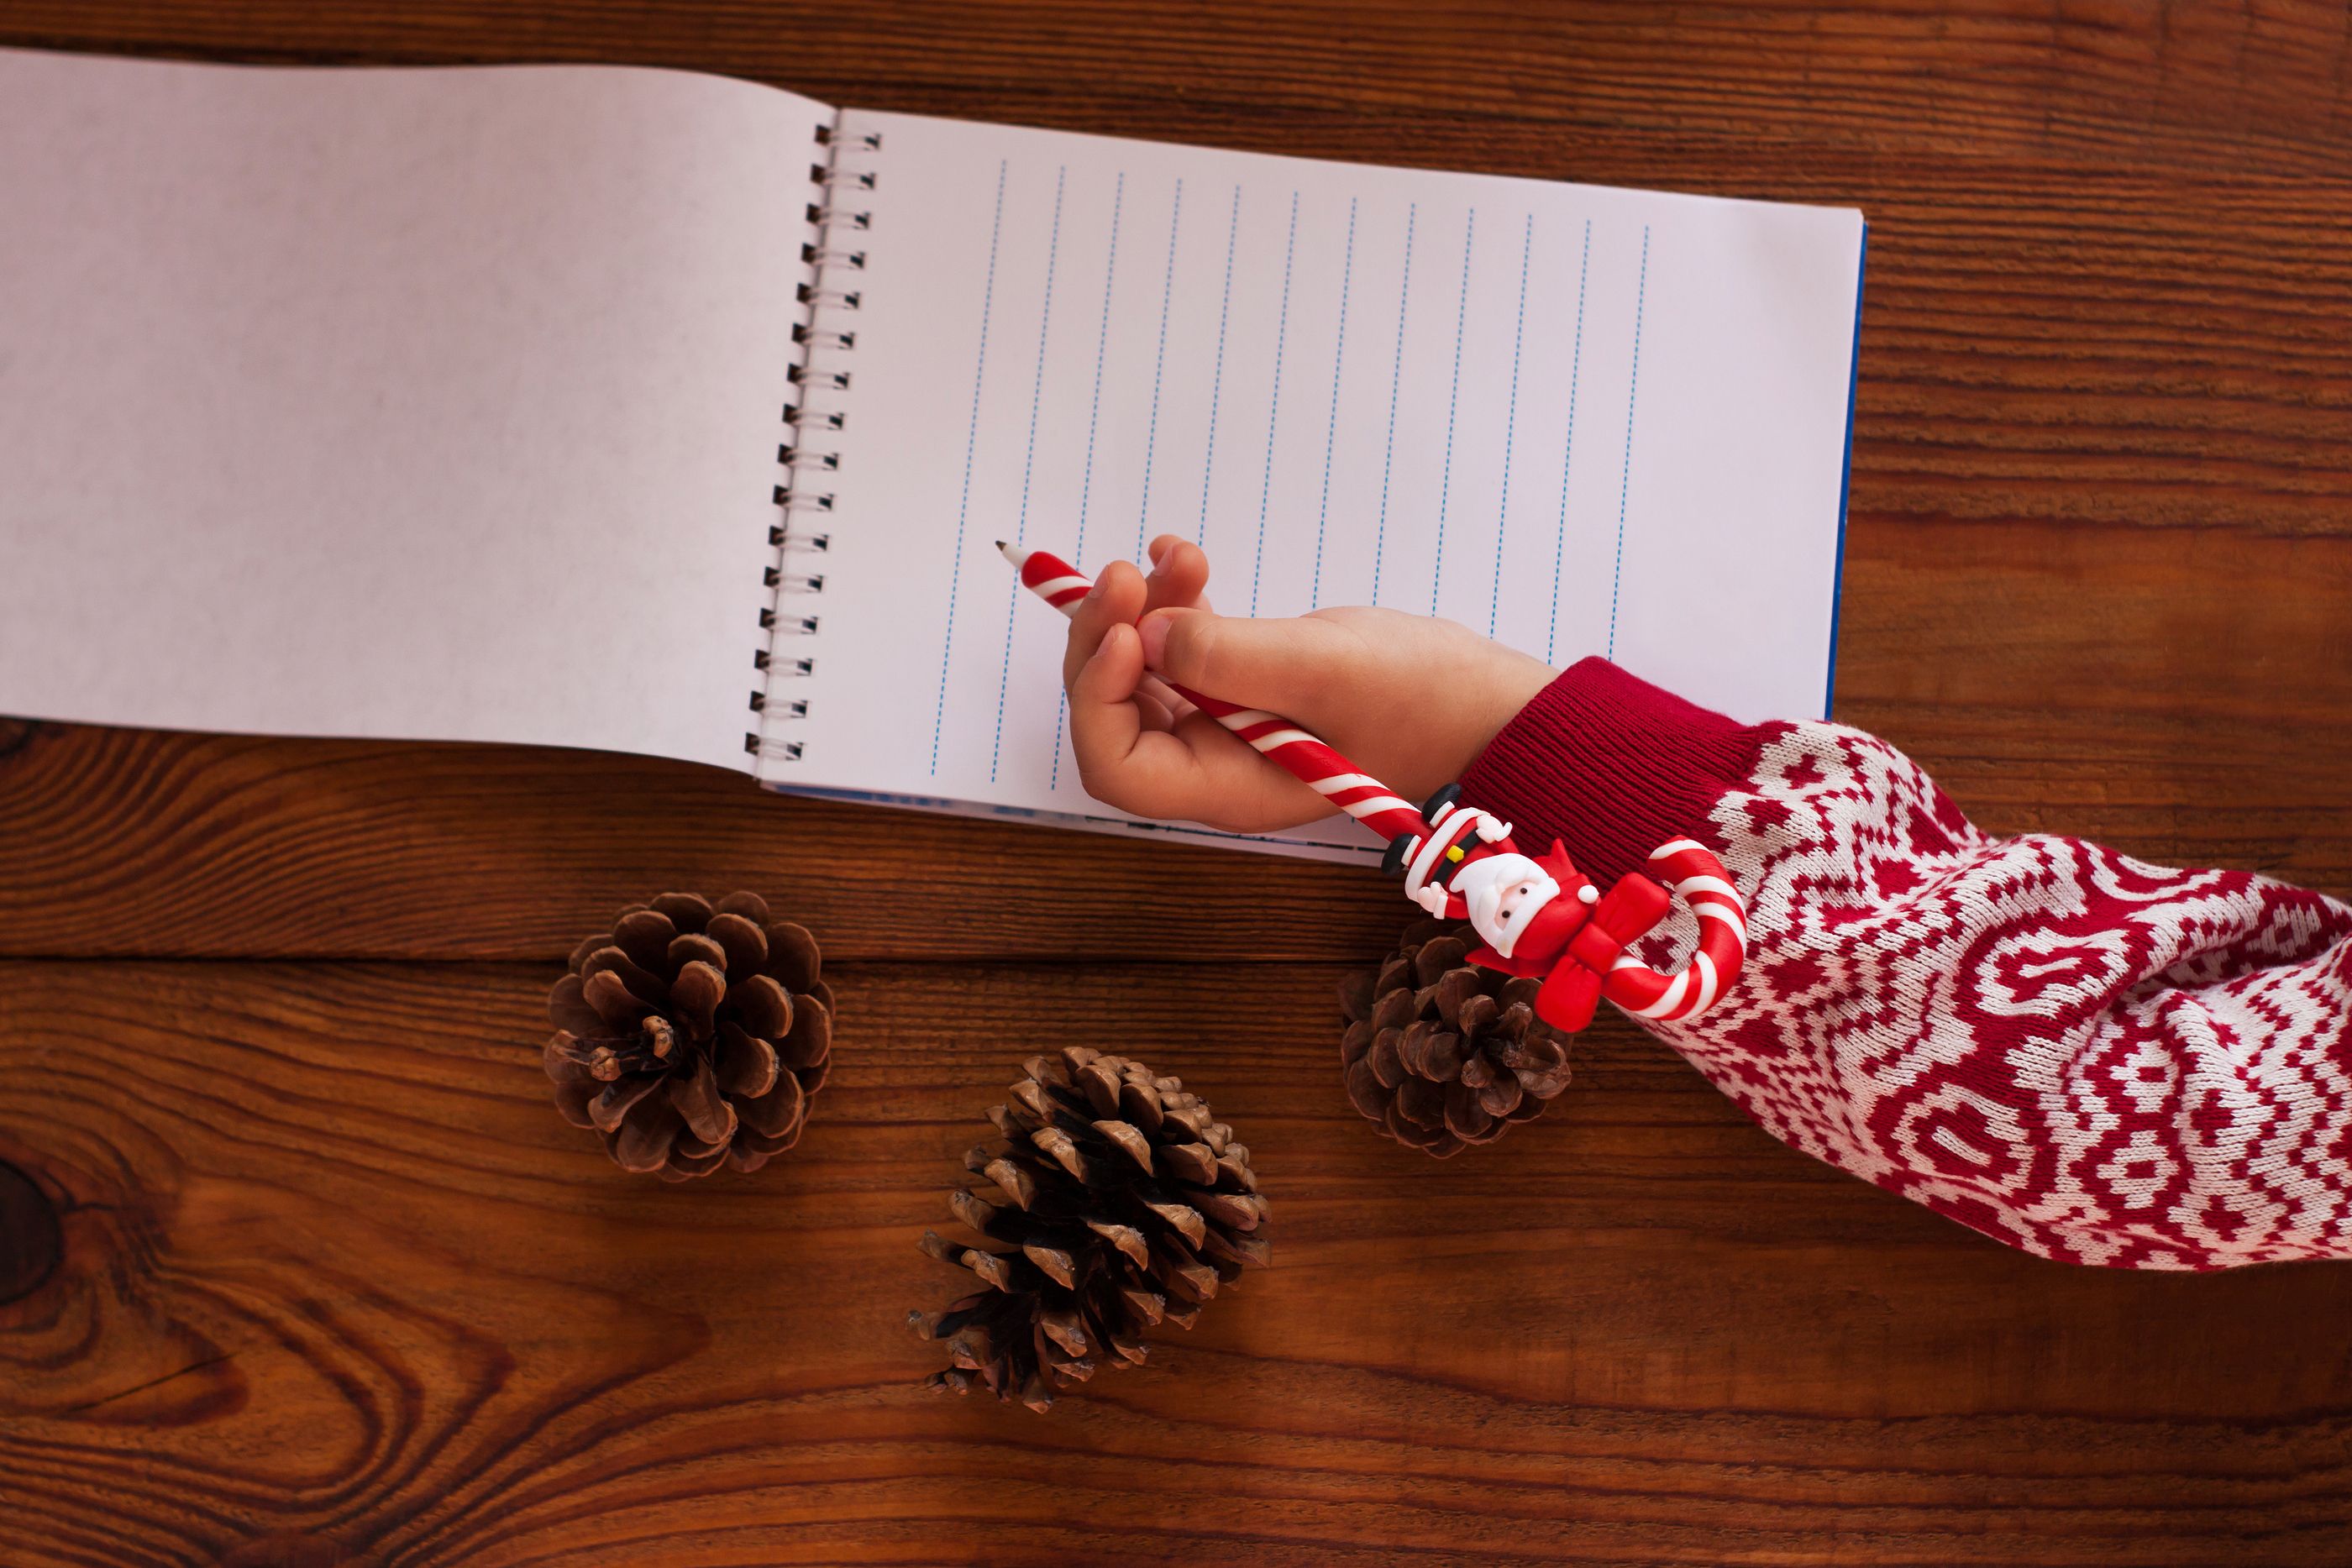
x,y
1015,556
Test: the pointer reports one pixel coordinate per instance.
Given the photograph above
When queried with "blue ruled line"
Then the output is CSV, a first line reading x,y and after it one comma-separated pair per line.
x,y
1396,365
1453,402
971,442
1028,467
1567,444
1331,431
1625,479
1094,411
1102,341
1274,405
1159,360
1217,382
1510,427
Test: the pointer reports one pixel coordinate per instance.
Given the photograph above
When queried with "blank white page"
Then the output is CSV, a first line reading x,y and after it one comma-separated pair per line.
x,y
1584,420
396,403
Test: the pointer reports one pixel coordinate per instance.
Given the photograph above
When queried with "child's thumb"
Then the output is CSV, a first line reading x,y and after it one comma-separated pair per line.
x,y
1294,668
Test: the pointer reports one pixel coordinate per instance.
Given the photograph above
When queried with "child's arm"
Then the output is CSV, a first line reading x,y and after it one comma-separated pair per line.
x,y
2087,1057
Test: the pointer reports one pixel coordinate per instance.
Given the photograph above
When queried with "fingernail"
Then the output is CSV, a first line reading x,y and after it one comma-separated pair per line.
x,y
1154,632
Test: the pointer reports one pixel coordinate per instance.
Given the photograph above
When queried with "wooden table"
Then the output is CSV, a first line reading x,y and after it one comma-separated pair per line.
x,y
337,1288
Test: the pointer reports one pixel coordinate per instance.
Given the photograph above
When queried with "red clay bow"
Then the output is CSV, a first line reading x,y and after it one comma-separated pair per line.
x,y
1574,945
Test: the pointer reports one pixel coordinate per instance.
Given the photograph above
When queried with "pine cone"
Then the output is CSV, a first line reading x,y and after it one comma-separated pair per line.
x,y
691,1035
1441,1052
1119,1202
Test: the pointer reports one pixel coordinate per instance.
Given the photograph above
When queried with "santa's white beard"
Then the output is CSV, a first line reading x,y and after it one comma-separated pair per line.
x,y
1501,894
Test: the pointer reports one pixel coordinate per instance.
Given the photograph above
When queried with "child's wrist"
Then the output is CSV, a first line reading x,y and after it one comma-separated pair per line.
x,y
1513,680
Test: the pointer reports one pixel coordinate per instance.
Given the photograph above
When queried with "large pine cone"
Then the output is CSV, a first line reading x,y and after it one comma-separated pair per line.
x,y
1118,1202
1441,1052
691,1035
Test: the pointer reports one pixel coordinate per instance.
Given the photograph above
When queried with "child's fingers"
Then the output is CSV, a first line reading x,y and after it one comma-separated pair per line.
x,y
1103,713
1304,669
1155,713
1116,600
1198,773
1121,762
1180,575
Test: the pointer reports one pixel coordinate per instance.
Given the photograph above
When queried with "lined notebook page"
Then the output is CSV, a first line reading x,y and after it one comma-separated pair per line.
x,y
393,403
1583,419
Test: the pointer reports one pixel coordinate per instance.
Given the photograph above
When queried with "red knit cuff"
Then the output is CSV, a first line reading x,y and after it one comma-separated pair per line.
x,y
1612,766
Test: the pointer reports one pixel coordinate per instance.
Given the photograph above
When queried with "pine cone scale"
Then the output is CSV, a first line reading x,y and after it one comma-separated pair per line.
x,y
689,947
571,1102
776,1113
685,911
805,1042
1465,1116
568,1008
763,1006
792,957
642,1143
743,946
694,1091
612,1107
745,1064
640,982
1501,1097
685,1165
644,937
617,1005
695,996
1442,1062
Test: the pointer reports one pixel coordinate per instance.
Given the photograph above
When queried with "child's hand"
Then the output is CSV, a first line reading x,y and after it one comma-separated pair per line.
x,y
1412,699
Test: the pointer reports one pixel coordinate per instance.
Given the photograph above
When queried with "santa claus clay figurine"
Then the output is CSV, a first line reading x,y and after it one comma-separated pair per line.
x,y
1538,917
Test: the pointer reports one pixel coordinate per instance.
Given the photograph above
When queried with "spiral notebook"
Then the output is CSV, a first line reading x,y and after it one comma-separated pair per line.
x,y
660,412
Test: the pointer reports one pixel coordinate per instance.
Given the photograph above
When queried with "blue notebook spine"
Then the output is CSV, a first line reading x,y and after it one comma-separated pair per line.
x,y
1845,479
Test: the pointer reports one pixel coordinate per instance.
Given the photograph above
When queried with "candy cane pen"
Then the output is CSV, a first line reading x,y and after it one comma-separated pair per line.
x,y
1538,917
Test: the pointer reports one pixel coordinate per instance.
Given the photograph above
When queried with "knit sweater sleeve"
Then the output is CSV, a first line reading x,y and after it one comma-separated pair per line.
x,y
2094,1058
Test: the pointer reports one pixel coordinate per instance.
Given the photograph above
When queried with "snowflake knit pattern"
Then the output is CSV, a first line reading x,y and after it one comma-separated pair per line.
x,y
2087,1057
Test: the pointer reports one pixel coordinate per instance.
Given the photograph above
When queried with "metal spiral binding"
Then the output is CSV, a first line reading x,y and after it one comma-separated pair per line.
x,y
819,379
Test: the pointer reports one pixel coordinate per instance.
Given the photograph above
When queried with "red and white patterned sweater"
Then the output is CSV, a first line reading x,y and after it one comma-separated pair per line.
x,y
2093,1059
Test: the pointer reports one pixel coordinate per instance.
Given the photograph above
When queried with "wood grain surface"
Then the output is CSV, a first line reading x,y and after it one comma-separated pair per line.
x,y
298,1269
